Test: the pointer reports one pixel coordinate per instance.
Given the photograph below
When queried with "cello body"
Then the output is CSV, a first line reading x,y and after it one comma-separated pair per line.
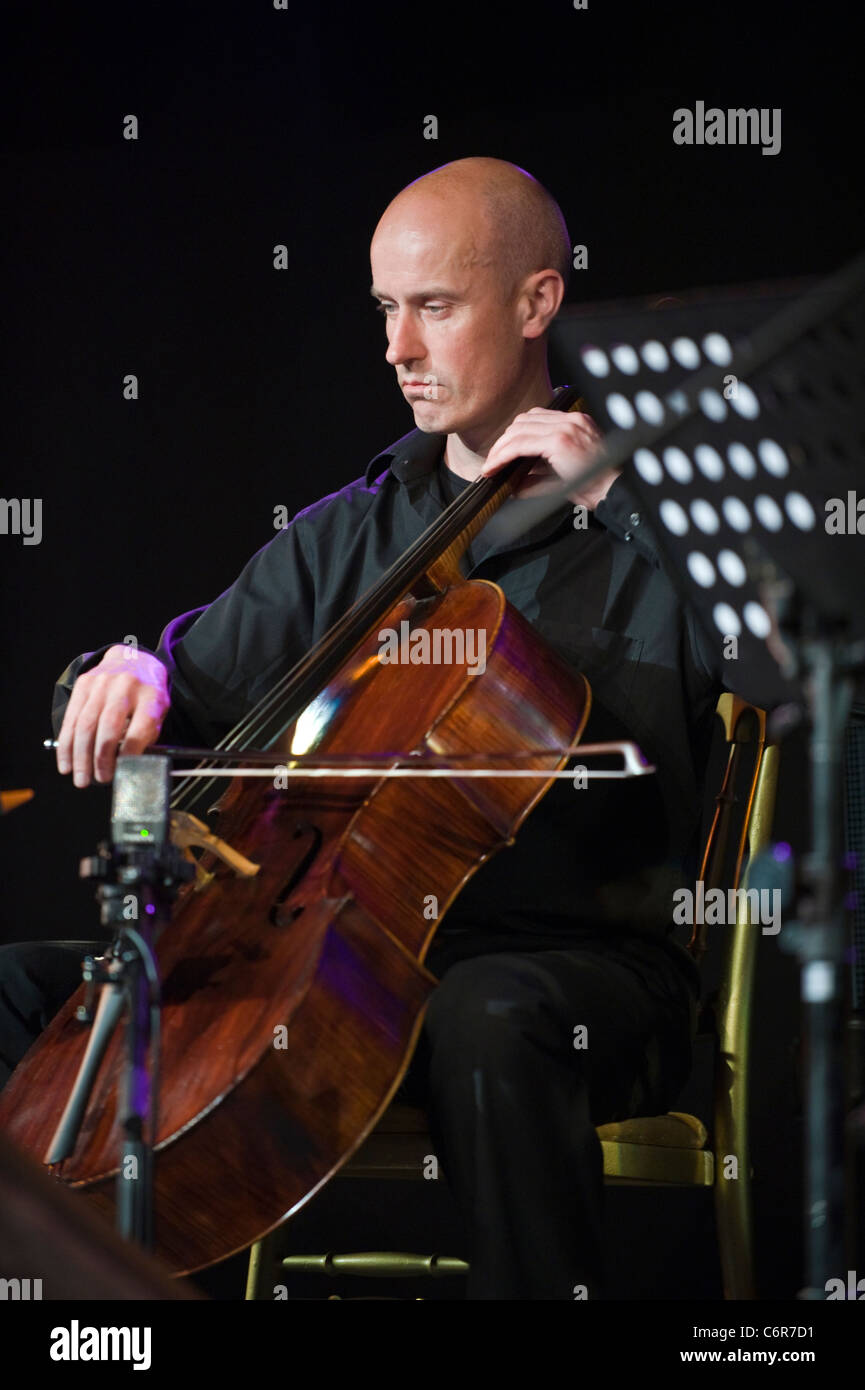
x,y
292,999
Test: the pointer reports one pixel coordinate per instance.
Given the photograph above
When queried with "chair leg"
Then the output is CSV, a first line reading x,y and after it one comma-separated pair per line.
x,y
263,1271
733,1217
732,1187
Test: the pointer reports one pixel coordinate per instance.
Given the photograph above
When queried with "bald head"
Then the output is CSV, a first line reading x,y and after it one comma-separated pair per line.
x,y
516,226
467,266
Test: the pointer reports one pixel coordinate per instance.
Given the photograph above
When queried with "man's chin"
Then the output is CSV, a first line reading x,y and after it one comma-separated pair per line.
x,y
430,417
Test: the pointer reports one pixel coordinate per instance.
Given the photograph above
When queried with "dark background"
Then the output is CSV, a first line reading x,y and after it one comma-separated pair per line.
x,y
261,387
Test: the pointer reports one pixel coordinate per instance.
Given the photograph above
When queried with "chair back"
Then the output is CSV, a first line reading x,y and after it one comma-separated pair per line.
x,y
744,807
741,829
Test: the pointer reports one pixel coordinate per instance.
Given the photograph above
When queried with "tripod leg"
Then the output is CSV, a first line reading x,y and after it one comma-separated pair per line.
x,y
105,1021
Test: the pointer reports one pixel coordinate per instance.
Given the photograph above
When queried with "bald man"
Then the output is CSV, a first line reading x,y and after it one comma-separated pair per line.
x,y
563,1001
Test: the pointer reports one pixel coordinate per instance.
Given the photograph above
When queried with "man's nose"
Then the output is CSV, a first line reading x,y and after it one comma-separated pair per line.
x,y
405,343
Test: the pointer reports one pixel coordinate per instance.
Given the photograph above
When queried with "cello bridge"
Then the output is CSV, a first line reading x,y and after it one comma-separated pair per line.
x,y
188,831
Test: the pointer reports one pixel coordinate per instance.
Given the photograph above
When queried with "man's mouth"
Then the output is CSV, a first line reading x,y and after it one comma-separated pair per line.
x,y
428,387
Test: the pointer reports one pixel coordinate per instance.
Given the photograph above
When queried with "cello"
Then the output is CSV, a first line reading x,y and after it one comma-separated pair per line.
x,y
293,986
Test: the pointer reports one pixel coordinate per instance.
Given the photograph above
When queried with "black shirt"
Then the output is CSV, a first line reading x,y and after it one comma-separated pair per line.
x,y
607,857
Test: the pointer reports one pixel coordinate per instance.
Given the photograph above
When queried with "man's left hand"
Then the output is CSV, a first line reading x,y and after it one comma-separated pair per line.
x,y
564,444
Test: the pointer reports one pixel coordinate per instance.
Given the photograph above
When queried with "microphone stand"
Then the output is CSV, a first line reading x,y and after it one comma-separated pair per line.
x,y
137,882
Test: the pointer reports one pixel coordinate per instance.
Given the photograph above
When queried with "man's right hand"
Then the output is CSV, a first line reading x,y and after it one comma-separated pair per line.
x,y
123,699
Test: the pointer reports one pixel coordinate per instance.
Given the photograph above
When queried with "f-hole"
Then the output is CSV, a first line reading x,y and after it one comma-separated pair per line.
x,y
299,871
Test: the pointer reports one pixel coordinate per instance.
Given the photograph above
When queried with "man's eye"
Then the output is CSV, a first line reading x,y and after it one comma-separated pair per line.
x,y
432,308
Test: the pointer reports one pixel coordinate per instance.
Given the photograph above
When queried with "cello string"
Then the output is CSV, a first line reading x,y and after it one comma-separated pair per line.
x,y
361,616
442,533
460,512
351,628
439,535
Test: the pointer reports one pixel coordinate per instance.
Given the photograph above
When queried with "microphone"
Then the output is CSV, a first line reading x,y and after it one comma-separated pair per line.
x,y
140,813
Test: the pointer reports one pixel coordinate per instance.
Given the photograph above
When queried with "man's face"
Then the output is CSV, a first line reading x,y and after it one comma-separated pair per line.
x,y
455,342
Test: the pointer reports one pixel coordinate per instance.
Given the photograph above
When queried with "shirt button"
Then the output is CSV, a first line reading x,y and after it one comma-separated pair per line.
x,y
634,518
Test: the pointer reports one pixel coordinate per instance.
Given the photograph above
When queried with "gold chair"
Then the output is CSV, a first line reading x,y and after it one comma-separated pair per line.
x,y
672,1150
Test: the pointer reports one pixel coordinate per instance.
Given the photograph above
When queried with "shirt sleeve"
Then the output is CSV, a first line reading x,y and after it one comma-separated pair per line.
x,y
234,651
223,658
620,512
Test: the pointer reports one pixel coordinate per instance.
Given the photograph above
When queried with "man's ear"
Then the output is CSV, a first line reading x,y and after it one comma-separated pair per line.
x,y
542,294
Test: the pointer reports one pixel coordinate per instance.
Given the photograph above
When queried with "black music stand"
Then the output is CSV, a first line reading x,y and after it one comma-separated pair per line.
x,y
744,454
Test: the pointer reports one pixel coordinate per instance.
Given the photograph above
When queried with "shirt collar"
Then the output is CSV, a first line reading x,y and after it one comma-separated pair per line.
x,y
416,454
411,457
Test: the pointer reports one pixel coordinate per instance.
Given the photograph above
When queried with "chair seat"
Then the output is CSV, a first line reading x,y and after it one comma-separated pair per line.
x,y
669,1150
675,1130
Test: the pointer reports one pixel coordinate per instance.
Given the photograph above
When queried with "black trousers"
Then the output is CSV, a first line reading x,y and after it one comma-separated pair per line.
x,y
523,1053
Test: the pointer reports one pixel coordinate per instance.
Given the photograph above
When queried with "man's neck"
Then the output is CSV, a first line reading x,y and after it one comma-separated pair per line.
x,y
466,454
